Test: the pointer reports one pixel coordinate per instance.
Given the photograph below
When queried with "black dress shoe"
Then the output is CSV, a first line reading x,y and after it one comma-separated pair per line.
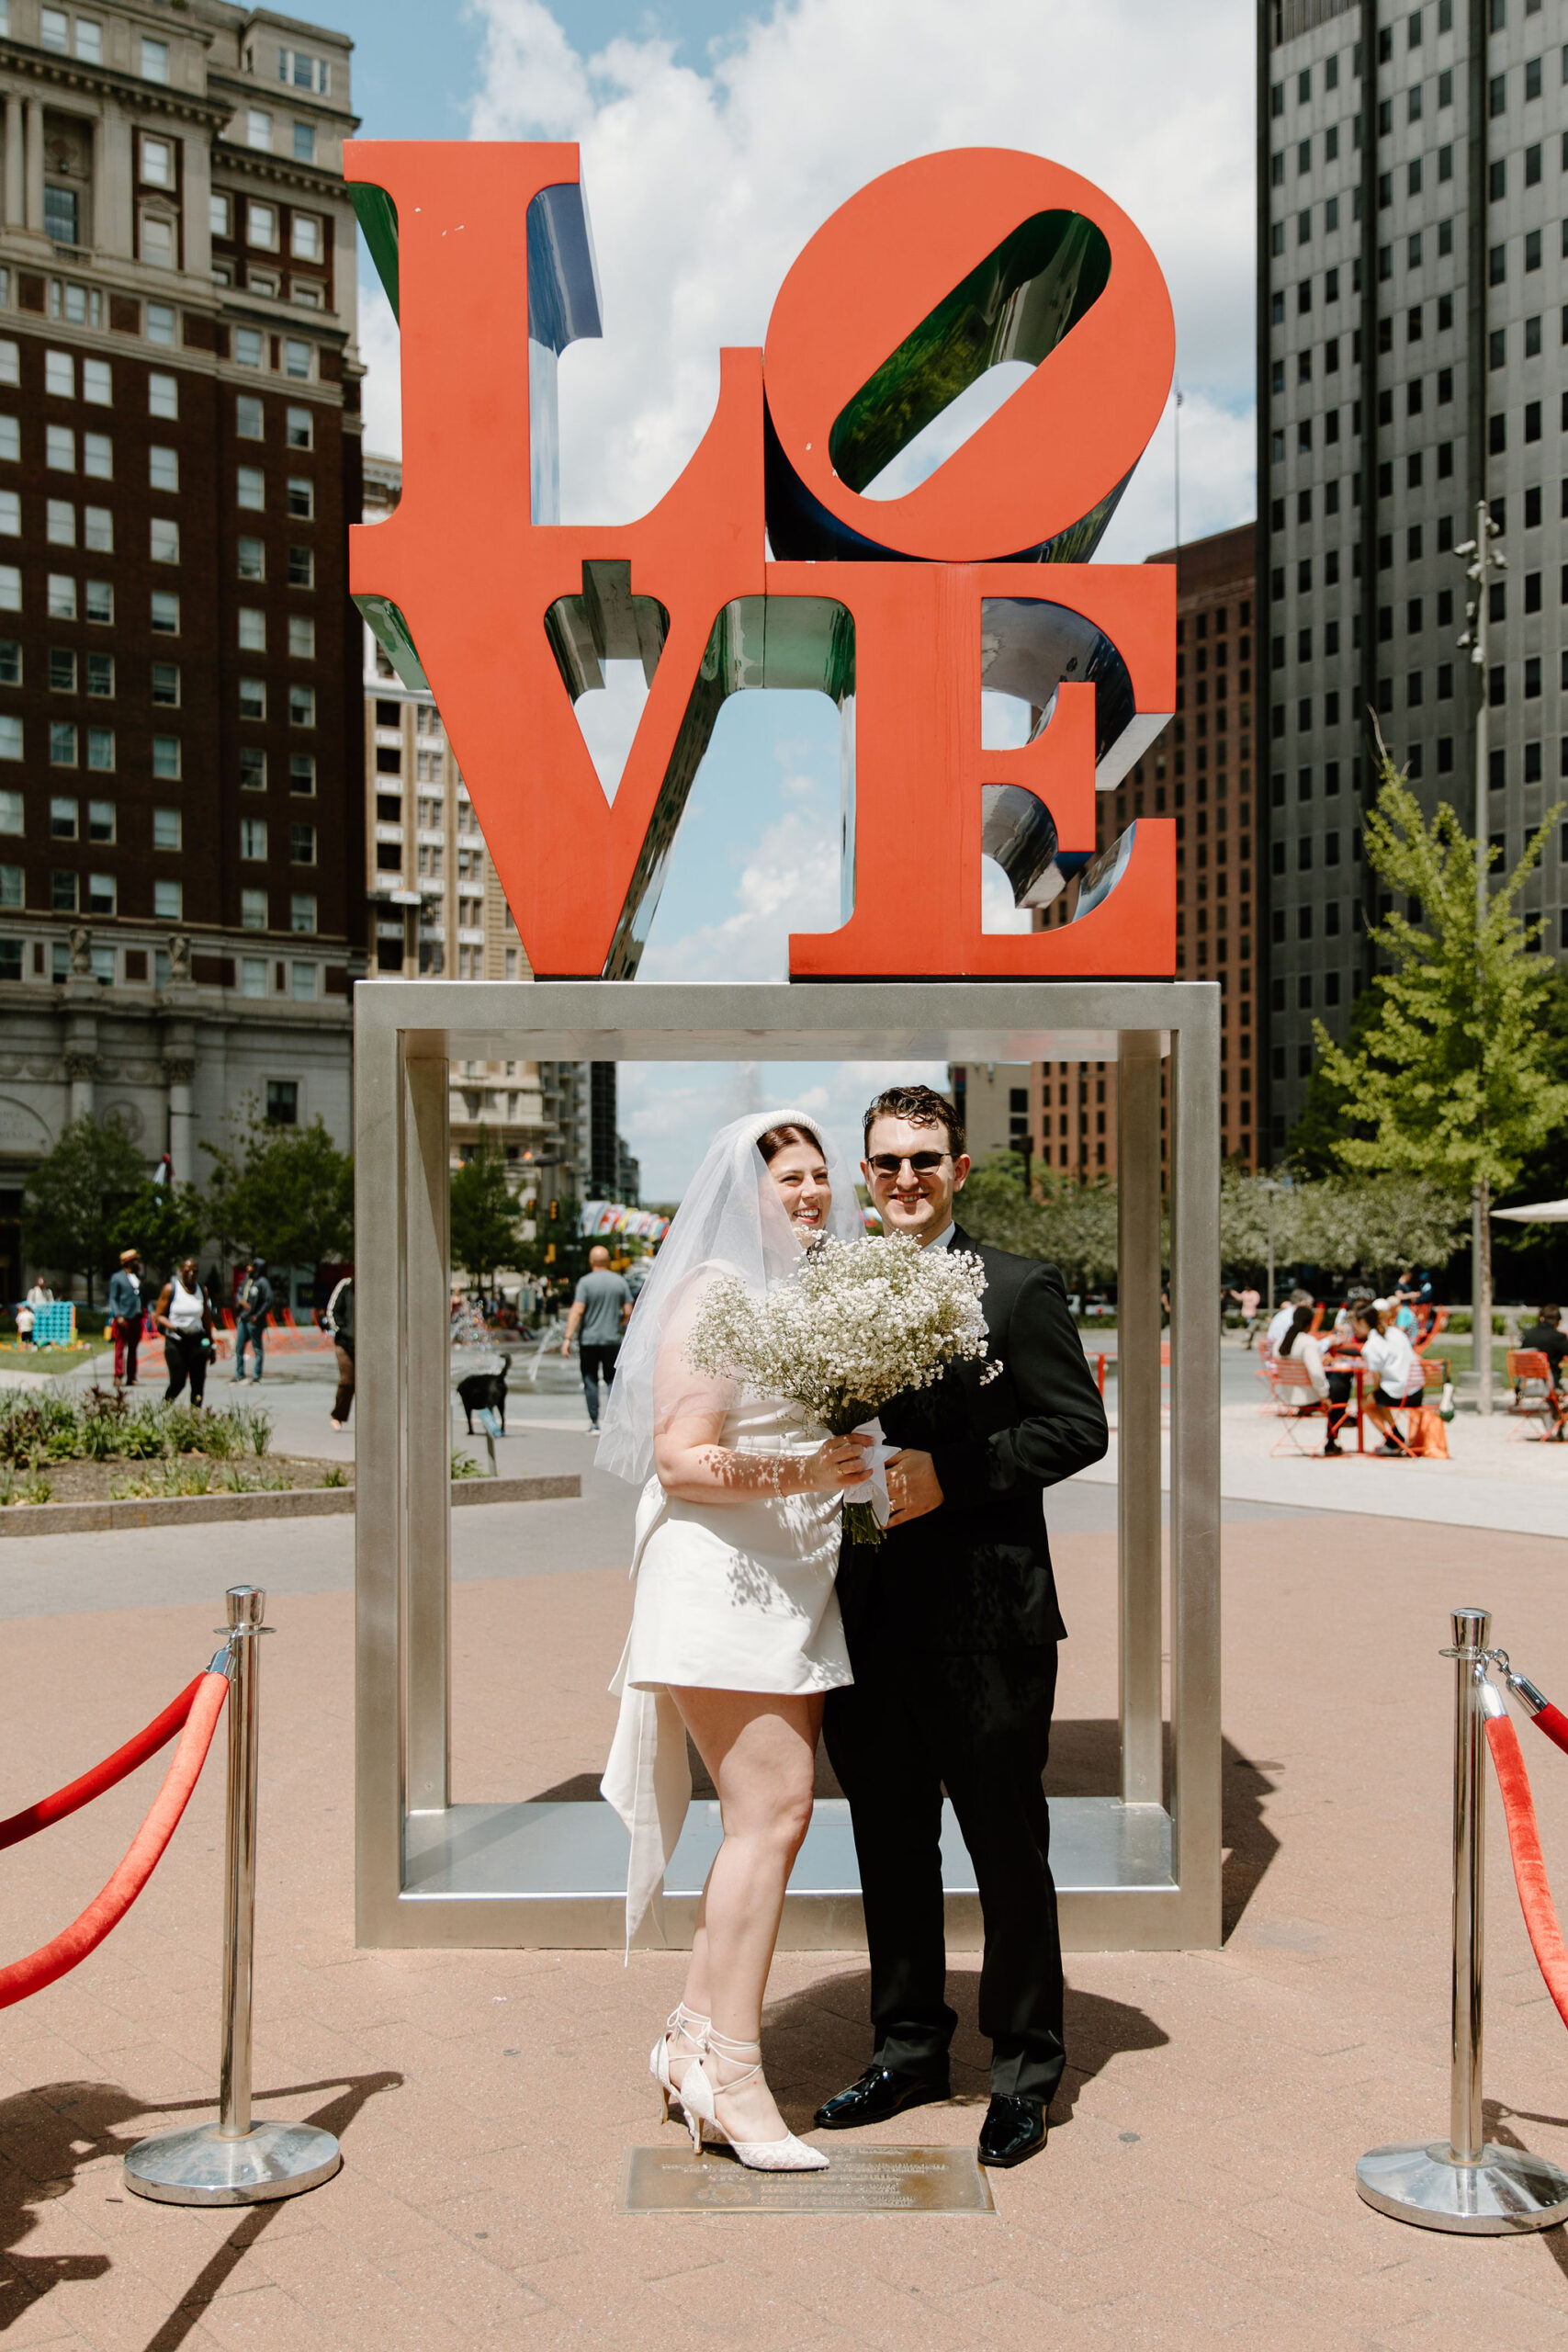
x,y
1013,2131
880,2091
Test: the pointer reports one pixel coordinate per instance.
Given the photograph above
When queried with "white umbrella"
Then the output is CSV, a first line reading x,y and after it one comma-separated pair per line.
x,y
1538,1212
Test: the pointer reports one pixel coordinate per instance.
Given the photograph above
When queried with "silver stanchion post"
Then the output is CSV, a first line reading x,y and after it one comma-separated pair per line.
x,y
234,2161
1467,2182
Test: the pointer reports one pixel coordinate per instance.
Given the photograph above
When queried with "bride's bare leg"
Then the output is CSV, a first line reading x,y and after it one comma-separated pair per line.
x,y
760,1751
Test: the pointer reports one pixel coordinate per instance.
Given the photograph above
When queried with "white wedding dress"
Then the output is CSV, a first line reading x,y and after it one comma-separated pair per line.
x,y
730,1596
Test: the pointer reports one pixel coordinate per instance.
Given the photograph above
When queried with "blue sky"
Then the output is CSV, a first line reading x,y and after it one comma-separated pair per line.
x,y
715,140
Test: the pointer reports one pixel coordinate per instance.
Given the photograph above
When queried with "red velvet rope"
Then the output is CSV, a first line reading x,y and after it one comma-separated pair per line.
x,y
1529,1868
65,1951
1555,1724
114,1769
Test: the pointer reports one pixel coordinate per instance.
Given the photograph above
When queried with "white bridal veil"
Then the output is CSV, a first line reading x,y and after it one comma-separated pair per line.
x,y
730,1221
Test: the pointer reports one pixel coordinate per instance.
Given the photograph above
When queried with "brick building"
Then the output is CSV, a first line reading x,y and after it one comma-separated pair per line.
x,y
181,824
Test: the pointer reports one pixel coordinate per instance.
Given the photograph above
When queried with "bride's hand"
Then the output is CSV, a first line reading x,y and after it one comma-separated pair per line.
x,y
838,1462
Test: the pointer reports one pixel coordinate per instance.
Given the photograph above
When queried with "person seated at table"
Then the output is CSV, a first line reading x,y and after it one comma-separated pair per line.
x,y
1330,1389
1545,1336
1395,1312
1344,1321
1397,1370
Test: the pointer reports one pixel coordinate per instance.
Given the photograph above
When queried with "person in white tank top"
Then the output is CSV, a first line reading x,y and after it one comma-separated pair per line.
x,y
185,1318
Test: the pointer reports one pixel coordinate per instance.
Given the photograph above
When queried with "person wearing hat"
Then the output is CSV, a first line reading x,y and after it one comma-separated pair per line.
x,y
126,1309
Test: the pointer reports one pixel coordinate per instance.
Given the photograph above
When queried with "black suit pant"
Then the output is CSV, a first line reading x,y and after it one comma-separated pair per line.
x,y
979,1724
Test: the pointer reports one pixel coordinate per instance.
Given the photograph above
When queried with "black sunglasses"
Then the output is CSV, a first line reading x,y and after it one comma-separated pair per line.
x,y
889,1163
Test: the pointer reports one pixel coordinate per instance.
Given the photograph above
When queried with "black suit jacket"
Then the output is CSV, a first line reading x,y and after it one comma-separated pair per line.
x,y
975,1573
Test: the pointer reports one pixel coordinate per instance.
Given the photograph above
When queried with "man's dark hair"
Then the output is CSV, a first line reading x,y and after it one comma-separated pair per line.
x,y
1552,1315
923,1107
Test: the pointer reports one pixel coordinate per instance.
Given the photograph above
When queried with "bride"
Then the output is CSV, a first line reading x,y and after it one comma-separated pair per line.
x,y
735,1632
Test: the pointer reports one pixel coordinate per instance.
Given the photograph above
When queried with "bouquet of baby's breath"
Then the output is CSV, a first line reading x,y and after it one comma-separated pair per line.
x,y
855,1323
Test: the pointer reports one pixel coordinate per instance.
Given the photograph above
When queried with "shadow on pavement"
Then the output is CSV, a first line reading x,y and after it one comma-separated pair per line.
x,y
47,2135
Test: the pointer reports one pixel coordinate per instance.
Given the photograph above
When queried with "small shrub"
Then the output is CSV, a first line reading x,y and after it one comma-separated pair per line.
x,y
464,1466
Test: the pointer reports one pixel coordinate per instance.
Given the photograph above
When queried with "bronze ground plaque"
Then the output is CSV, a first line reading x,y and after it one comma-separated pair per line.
x,y
859,2180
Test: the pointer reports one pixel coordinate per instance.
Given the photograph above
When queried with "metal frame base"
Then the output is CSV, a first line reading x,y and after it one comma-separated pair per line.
x,y
197,2166
1422,2182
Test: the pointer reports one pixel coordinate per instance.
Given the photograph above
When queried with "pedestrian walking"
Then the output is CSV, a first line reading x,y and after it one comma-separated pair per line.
x,y
601,1308
127,1309
339,1321
253,1303
184,1315
1249,1301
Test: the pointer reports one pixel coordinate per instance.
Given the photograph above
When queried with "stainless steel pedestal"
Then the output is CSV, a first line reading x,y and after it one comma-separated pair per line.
x,y
1507,2189
200,2166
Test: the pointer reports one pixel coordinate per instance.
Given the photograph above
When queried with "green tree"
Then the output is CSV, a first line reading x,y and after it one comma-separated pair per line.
x,y
485,1214
1378,1225
1072,1224
75,1197
282,1194
164,1222
1451,1077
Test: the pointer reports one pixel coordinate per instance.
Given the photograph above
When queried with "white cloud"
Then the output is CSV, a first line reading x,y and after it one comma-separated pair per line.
x,y
668,1109
790,882
703,187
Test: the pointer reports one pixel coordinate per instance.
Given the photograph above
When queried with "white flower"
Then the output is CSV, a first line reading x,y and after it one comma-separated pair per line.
x,y
854,1324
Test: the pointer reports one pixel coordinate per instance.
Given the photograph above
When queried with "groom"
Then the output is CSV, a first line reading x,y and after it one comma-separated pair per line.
x,y
952,1627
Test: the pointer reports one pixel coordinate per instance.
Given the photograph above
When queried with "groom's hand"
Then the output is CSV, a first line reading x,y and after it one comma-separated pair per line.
x,y
913,1487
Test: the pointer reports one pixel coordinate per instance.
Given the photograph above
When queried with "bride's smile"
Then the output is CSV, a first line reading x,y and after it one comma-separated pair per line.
x,y
800,1178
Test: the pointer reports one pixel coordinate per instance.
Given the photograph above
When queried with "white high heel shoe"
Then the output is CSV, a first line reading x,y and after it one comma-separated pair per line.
x,y
698,2094
682,2025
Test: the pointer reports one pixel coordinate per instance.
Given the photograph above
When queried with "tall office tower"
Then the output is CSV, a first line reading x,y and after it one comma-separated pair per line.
x,y
1411,325
437,908
180,906
1200,771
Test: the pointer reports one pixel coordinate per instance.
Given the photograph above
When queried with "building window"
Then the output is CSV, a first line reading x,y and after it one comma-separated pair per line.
x,y
63,820
159,241
250,490
300,429
258,134
98,457
301,497
252,629
60,522
249,417
100,750
301,638
248,347
253,909
302,911
62,744
62,892
164,397
168,900
163,540
160,324
62,597
302,568
168,828
166,756
101,895
253,768
253,839
301,705
165,613
304,142
60,449
302,772
302,844
154,61
282,1098
296,363
157,163
253,975
164,468
253,699
251,559
61,215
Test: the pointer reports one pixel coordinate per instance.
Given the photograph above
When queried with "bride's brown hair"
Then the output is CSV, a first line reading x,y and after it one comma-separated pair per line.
x,y
774,1142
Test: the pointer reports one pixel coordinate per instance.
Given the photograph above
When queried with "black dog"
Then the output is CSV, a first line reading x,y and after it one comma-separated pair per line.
x,y
483,1389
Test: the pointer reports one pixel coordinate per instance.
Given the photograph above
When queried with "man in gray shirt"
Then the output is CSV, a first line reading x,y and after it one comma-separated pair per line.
x,y
601,1307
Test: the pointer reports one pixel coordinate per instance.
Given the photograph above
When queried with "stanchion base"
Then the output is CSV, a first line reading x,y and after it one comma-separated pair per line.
x,y
199,2167
1508,2191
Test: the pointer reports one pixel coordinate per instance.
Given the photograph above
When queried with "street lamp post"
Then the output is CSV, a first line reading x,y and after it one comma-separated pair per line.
x,y
1481,560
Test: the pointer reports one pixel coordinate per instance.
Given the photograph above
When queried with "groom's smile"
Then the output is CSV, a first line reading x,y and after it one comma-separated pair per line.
x,y
913,1176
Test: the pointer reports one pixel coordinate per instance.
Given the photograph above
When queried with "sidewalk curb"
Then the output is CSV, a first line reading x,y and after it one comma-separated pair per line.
x,y
291,1502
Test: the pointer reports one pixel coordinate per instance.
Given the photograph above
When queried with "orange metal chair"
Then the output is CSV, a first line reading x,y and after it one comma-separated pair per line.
x,y
1535,1394
1298,1405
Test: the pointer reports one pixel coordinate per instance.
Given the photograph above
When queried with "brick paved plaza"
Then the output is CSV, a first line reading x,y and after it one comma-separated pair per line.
x,y
1198,2188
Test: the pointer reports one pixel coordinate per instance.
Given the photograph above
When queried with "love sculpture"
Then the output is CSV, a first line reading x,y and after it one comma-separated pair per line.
x,y
901,608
